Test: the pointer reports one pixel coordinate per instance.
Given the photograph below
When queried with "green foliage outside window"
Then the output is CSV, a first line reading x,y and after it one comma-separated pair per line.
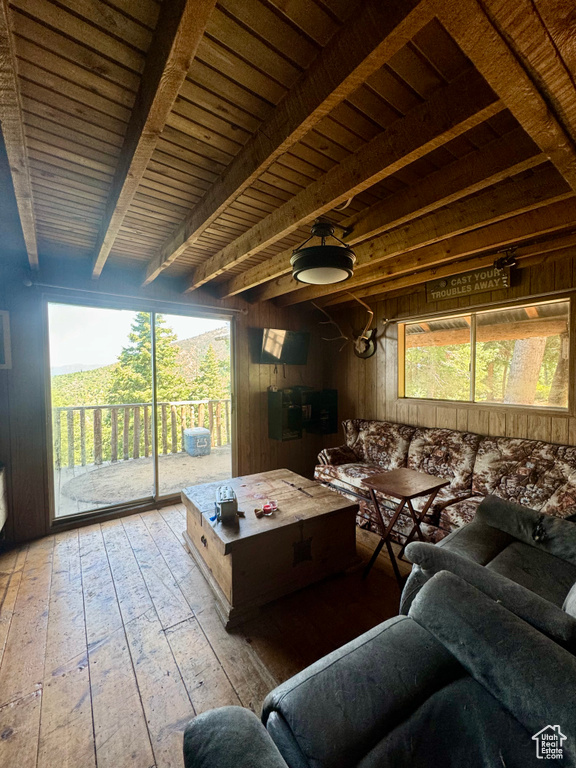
x,y
521,357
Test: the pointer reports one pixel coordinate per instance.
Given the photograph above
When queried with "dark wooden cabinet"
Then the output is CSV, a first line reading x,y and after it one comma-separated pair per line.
x,y
292,411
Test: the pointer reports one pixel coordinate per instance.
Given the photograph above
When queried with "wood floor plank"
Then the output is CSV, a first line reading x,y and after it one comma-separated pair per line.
x,y
112,643
164,697
66,717
19,722
170,603
9,592
22,668
120,729
132,595
206,682
250,678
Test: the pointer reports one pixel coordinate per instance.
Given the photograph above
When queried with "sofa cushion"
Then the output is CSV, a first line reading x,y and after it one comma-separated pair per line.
x,y
349,478
538,571
342,454
477,541
346,475
562,503
458,514
493,737
529,472
379,442
445,453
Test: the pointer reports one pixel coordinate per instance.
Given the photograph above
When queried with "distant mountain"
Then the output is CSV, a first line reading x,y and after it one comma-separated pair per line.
x,y
61,370
191,351
89,384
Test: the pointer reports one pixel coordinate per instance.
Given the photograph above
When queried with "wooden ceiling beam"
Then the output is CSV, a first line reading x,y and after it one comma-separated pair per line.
x,y
541,35
504,201
555,217
376,33
449,112
12,125
506,156
506,42
179,30
397,286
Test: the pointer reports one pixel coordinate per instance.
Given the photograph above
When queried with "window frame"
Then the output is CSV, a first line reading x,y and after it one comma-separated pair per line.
x,y
569,410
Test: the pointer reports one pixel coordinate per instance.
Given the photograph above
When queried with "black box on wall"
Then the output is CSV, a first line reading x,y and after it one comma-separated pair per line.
x,y
290,411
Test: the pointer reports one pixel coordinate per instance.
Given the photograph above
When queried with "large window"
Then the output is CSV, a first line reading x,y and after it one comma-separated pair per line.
x,y
141,405
514,356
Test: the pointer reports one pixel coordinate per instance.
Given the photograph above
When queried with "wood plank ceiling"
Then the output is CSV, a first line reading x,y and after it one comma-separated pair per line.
x,y
200,138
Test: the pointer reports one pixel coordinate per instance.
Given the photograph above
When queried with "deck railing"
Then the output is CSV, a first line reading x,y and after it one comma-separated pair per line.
x,y
93,434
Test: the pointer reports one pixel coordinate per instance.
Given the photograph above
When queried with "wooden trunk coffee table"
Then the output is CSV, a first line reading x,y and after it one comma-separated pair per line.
x,y
312,535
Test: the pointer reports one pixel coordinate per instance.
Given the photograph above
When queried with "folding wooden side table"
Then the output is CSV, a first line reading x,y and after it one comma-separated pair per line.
x,y
405,485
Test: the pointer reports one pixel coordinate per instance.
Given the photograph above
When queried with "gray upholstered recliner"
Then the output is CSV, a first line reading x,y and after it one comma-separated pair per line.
x,y
506,545
460,681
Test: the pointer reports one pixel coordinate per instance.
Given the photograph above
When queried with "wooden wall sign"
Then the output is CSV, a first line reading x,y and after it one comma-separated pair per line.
x,y
468,283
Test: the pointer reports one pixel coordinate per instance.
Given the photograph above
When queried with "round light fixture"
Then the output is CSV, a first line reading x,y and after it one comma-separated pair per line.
x,y
322,264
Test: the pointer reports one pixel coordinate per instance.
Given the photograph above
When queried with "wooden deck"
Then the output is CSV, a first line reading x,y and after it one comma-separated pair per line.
x,y
218,465
110,643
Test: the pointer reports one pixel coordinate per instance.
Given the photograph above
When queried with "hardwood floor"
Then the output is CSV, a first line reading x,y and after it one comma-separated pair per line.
x,y
110,643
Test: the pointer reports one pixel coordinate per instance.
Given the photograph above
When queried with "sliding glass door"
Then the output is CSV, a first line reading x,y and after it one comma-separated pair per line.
x,y
140,405
193,402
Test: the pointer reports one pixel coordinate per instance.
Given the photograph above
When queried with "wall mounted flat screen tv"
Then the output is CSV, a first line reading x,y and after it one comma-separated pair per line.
x,y
274,346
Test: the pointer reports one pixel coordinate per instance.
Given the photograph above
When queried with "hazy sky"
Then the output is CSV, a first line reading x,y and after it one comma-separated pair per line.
x,y
91,336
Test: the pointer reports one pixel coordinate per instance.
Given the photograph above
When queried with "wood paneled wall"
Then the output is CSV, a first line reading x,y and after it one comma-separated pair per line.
x,y
368,388
23,410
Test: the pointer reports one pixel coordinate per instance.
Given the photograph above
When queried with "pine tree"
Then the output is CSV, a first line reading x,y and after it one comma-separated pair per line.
x,y
132,378
212,382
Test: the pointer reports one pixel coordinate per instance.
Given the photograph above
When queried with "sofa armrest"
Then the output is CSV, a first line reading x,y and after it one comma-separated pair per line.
x,y
458,496
540,613
531,676
387,672
229,737
555,535
335,456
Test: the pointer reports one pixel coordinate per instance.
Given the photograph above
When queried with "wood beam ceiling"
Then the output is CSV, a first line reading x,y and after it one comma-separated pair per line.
x,y
505,40
506,156
530,257
377,32
510,46
449,112
13,131
180,28
471,250
504,201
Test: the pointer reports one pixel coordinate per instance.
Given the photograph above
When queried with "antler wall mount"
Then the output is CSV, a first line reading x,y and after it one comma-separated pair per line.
x,y
364,343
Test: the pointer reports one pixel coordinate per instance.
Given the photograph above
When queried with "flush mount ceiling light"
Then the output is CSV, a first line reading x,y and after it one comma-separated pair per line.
x,y
322,264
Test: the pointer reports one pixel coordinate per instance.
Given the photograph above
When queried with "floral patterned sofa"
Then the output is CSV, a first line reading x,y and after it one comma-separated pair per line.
x,y
533,473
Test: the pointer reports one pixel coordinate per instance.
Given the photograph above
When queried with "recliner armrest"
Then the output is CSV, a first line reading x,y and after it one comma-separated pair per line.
x,y
335,456
532,677
338,709
229,737
540,613
557,535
